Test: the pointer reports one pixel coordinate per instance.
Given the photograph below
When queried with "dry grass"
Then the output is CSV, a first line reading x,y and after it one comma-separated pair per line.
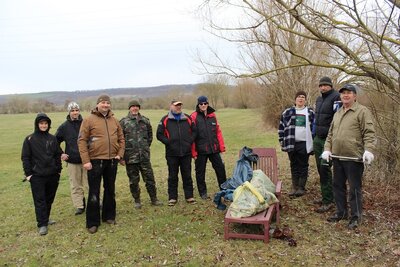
x,y
187,235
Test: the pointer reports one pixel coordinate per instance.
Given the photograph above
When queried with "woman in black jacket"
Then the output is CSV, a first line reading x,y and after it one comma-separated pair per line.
x,y
41,160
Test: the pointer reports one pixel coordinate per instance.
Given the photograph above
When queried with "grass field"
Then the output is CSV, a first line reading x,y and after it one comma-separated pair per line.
x,y
184,235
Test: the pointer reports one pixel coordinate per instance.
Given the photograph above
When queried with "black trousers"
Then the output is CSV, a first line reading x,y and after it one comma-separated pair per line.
x,y
106,169
44,190
299,165
200,168
352,172
184,164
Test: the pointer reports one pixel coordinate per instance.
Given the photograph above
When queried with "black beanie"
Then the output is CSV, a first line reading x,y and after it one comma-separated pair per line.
x,y
325,81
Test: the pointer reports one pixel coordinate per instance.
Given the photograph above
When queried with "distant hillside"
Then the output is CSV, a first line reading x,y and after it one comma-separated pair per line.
x,y
59,97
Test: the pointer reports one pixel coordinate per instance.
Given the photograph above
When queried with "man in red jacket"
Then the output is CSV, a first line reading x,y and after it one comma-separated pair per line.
x,y
209,144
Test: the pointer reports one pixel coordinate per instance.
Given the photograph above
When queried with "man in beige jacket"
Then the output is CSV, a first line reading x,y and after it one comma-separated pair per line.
x,y
350,142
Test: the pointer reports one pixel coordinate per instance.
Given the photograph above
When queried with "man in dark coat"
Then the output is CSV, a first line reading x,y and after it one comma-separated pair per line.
x,y
209,145
177,132
68,132
326,106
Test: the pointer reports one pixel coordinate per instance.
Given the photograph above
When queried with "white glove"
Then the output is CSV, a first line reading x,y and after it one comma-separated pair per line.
x,y
368,157
326,155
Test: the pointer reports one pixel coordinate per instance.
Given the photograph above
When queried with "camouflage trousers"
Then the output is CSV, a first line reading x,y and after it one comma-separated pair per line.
x,y
146,171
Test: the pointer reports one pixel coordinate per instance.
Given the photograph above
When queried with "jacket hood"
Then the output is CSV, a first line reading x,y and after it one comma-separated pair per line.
x,y
41,117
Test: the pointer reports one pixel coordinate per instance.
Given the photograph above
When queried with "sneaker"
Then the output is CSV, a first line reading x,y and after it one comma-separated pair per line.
x,y
79,211
138,205
92,229
111,221
353,224
172,202
51,222
335,218
191,200
156,203
324,208
43,230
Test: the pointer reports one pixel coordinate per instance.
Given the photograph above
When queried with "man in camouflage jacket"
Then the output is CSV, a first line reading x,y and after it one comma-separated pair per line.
x,y
138,137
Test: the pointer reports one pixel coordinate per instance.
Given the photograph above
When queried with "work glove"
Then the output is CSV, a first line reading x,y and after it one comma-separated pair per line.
x,y
368,157
326,155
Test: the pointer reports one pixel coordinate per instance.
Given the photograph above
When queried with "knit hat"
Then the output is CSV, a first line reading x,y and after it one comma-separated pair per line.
x,y
300,93
72,105
202,99
176,102
325,81
348,87
103,98
133,103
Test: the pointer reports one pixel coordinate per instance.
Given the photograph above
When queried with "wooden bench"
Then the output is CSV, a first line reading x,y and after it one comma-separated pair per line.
x,y
268,163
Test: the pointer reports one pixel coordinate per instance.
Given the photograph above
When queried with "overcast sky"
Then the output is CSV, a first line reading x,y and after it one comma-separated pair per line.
x,y
60,45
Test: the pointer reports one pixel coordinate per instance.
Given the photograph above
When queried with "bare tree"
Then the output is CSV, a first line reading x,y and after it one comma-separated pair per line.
x,y
355,41
215,88
361,38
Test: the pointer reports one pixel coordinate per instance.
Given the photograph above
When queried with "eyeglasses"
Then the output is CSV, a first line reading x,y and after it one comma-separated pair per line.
x,y
203,104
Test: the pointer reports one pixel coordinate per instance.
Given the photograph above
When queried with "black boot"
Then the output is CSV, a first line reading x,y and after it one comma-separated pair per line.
x,y
301,190
295,187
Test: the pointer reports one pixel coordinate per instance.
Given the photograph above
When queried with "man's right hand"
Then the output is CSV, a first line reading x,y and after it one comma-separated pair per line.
x,y
326,155
64,157
88,166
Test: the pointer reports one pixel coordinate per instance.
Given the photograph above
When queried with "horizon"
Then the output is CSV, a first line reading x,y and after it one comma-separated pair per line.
x,y
69,45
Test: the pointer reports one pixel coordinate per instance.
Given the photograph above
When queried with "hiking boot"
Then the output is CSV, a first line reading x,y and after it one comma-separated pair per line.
x,y
51,222
300,192
138,205
324,208
335,218
111,221
92,229
156,202
79,211
43,230
353,224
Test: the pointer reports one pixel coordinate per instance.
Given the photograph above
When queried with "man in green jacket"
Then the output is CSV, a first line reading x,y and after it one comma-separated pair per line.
x,y
138,135
350,142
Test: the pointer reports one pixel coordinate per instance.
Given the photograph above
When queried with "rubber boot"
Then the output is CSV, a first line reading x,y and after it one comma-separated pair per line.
x,y
301,190
295,187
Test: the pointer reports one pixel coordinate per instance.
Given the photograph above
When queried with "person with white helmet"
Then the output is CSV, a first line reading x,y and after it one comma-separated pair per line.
x,y
68,132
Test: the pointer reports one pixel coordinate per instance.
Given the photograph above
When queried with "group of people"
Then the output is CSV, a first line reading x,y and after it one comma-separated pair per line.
x,y
340,132
94,146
